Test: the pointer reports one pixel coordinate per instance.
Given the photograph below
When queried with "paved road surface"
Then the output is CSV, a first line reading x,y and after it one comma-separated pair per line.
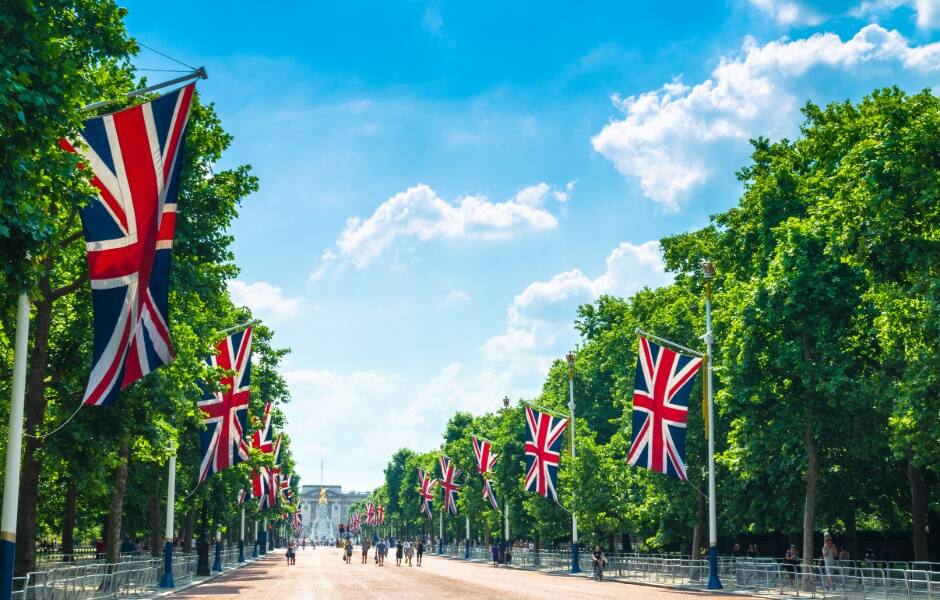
x,y
322,573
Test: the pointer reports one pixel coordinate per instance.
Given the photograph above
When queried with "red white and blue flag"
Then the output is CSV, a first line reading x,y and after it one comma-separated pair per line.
x,y
136,158
380,515
427,495
661,408
543,452
486,460
286,492
225,412
370,514
274,473
449,473
262,440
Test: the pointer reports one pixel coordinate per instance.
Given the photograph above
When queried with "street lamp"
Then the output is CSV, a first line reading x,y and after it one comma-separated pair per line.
x,y
506,402
714,583
575,563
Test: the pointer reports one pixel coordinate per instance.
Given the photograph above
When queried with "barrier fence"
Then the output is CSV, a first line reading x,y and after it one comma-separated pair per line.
x,y
848,580
134,576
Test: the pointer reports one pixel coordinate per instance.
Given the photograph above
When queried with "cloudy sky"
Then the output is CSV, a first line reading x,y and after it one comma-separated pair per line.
x,y
442,183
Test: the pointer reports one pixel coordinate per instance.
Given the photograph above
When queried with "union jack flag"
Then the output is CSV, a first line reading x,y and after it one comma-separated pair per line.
x,y
661,408
262,440
274,473
265,493
286,492
380,515
225,413
542,452
370,514
298,521
486,460
427,496
448,474
136,157
242,495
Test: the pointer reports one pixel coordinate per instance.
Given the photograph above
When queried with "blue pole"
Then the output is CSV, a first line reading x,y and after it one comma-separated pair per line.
x,y
713,582
241,539
11,483
217,565
167,580
263,542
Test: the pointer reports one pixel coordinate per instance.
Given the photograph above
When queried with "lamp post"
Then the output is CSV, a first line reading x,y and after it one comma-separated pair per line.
x,y
575,562
505,497
714,583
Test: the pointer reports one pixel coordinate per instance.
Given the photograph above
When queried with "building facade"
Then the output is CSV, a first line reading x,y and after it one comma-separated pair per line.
x,y
324,507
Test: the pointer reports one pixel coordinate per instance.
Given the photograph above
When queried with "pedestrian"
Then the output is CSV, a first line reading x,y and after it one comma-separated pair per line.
x,y
409,552
829,554
291,552
844,554
495,551
790,560
303,544
380,553
347,552
365,551
399,552
419,550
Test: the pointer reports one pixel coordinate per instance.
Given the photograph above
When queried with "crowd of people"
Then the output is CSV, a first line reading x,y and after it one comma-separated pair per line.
x,y
407,552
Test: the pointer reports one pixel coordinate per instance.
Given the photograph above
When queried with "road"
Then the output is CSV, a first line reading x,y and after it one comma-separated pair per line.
x,y
322,573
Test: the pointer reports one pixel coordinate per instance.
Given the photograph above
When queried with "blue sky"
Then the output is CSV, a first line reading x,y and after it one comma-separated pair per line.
x,y
442,183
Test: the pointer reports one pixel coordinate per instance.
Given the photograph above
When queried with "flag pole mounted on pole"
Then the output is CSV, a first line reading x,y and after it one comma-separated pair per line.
x,y
575,562
11,475
714,583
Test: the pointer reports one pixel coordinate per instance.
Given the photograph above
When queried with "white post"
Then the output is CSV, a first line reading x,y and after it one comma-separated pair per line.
x,y
575,563
242,534
11,484
506,519
440,538
170,496
167,579
713,581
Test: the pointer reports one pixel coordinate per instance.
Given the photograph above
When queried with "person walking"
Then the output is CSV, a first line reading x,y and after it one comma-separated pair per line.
x,y
365,551
380,553
829,555
399,552
347,552
495,551
409,552
419,550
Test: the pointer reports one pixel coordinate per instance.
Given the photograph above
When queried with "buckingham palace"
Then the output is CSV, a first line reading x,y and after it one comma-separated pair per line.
x,y
324,507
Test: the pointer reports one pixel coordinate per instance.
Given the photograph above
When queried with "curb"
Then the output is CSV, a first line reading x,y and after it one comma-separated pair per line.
x,y
665,586
195,583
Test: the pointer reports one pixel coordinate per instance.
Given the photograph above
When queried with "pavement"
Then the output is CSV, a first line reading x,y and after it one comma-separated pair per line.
x,y
321,573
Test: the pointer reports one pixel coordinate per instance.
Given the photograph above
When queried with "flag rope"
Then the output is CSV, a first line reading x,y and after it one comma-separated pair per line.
x,y
43,436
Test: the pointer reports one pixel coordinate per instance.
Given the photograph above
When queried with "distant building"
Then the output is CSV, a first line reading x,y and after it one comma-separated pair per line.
x,y
324,507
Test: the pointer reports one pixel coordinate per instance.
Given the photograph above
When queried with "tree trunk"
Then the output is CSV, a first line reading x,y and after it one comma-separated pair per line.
x,y
68,521
809,508
851,531
153,509
117,503
915,475
189,524
35,409
699,525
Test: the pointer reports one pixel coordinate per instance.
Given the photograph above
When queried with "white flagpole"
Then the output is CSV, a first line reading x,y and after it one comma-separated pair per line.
x,y
11,483
714,583
167,579
575,562
199,73
440,538
241,537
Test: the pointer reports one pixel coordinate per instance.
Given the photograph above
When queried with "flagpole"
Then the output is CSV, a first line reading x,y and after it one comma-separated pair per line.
x,y
714,583
254,551
241,538
263,538
217,565
466,553
167,580
238,327
575,559
11,477
199,73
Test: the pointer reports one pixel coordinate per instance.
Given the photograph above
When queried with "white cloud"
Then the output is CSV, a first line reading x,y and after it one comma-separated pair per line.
x,y
668,136
927,11
418,215
630,267
788,12
265,300
457,296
